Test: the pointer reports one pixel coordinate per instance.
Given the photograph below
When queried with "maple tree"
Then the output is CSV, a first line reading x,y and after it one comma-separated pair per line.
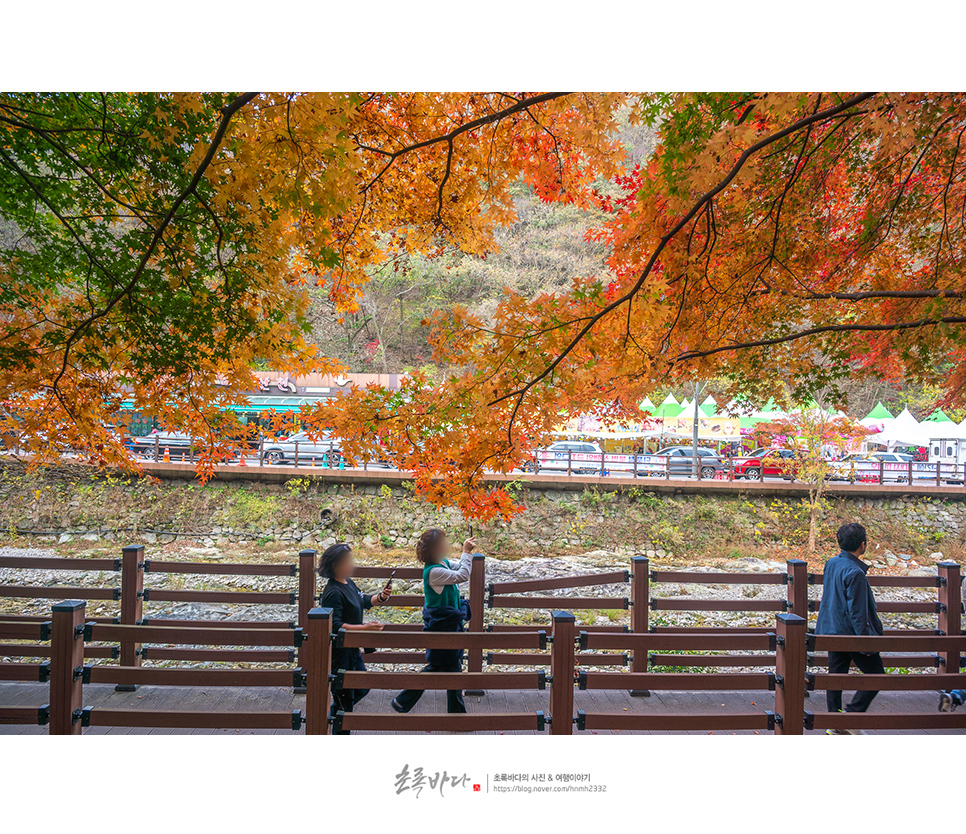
x,y
158,247
813,433
799,237
771,238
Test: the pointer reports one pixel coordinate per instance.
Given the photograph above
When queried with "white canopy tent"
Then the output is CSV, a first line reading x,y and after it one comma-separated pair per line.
x,y
946,430
905,430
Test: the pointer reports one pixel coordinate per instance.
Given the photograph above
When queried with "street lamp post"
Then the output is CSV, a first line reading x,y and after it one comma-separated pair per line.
x,y
695,462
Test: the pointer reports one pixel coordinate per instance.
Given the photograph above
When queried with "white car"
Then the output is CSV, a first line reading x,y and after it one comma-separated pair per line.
x,y
579,455
895,467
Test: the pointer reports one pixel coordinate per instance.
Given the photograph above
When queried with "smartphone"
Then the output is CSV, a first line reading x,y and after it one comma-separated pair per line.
x,y
389,580
471,531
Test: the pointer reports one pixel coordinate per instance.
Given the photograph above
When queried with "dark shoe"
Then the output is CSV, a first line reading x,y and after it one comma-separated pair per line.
x,y
946,702
839,732
397,706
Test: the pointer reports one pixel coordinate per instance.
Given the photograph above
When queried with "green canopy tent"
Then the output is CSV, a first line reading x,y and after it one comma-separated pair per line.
x,y
880,412
669,408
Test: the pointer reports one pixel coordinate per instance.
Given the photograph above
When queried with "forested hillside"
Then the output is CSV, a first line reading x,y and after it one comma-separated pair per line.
x,y
543,250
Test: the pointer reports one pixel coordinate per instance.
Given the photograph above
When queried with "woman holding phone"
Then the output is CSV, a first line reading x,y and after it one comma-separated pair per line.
x,y
443,611
347,603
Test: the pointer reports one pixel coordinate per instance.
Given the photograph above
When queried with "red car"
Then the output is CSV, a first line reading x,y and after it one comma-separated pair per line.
x,y
774,462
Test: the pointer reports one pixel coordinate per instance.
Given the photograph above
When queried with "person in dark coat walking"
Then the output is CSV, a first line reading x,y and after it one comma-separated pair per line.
x,y
848,607
347,603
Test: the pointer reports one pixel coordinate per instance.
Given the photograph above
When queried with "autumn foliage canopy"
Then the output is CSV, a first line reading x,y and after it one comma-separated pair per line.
x,y
166,242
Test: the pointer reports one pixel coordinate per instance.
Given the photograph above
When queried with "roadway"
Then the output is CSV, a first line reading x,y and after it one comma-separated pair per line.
x,y
544,480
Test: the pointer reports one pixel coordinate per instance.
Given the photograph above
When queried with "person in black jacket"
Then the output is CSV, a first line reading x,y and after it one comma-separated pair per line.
x,y
347,603
848,607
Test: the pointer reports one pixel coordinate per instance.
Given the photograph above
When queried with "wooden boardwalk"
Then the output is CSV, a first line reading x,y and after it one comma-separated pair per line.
x,y
271,698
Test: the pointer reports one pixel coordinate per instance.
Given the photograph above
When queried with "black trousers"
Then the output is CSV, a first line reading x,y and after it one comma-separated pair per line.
x,y
838,664
345,699
408,698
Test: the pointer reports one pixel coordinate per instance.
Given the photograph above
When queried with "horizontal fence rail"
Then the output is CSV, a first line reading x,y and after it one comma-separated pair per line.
x,y
677,681
59,563
58,592
658,642
576,603
670,722
718,578
440,680
248,597
249,569
782,658
441,640
229,624
179,719
554,583
440,723
194,635
141,675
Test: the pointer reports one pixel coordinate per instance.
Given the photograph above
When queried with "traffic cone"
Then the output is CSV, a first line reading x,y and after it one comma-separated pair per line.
x,y
241,460
166,457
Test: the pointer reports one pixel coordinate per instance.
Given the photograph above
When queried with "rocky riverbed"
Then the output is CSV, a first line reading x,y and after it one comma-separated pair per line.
x,y
497,570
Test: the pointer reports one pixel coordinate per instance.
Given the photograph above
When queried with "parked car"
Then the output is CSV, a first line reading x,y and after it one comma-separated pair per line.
x,y
772,462
324,449
177,444
580,455
680,461
895,467
180,446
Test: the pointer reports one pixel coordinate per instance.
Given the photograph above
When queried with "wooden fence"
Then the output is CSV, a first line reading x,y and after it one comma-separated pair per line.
x,y
779,655
66,673
789,678
129,590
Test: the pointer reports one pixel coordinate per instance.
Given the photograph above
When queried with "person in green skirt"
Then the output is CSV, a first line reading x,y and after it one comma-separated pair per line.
x,y
443,610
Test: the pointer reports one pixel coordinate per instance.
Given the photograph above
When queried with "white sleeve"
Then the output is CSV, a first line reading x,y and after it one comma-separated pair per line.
x,y
440,577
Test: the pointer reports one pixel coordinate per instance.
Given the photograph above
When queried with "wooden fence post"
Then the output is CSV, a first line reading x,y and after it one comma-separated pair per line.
x,y
790,675
318,661
307,573
562,665
66,667
640,605
950,614
474,657
797,588
132,605
306,598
